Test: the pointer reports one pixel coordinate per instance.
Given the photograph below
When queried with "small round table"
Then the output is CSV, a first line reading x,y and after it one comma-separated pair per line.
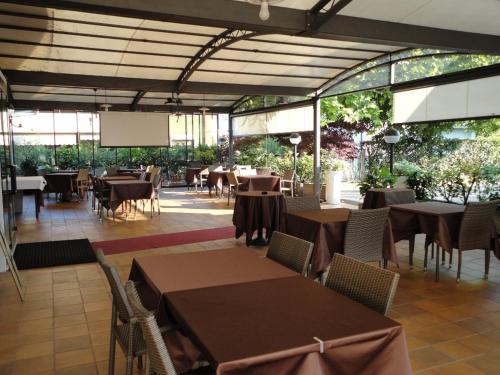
x,y
255,211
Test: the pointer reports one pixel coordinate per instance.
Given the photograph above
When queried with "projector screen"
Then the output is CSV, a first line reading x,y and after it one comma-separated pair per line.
x,y
452,101
134,129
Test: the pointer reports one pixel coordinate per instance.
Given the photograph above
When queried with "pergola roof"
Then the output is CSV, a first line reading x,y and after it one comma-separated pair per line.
x,y
54,53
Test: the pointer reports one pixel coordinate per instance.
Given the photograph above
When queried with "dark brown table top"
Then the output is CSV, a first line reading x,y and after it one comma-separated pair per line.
x,y
258,193
117,178
127,182
430,208
322,216
274,321
201,269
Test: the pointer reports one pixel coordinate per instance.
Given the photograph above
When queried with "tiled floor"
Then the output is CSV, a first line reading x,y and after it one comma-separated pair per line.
x,y
63,327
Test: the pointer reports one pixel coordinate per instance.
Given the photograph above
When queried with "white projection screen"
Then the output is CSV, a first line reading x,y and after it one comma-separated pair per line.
x,y
134,129
284,121
454,101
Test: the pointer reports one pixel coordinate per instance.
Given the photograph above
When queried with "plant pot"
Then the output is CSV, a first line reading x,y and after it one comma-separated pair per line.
x,y
308,190
333,186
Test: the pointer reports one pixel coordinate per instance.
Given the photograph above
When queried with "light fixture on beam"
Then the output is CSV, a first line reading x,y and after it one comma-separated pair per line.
x,y
204,109
264,7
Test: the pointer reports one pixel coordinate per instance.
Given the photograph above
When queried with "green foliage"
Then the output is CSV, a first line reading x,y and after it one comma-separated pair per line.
x,y
474,167
67,157
29,166
379,178
206,154
420,179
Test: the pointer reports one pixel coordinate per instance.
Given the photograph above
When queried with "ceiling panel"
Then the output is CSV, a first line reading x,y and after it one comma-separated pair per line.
x,y
285,48
69,98
164,95
478,16
268,69
186,102
71,90
324,42
287,59
255,80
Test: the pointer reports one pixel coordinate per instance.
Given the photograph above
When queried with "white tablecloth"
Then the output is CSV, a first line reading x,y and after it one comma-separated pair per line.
x,y
29,183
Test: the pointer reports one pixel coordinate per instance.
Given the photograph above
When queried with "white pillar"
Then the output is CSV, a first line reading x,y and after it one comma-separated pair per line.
x,y
317,147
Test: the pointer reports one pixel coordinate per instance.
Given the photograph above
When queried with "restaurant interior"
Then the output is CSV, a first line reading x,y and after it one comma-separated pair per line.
x,y
243,187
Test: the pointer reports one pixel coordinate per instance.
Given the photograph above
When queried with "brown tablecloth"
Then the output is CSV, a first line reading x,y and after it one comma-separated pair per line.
x,y
201,269
440,221
268,327
255,211
118,178
128,190
160,274
192,175
378,198
61,182
264,183
217,179
326,229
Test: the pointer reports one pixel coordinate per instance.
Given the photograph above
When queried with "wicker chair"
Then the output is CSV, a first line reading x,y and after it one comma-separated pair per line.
x,y
364,234
155,197
371,286
263,171
124,327
82,183
201,179
159,360
287,182
291,252
474,234
302,203
232,184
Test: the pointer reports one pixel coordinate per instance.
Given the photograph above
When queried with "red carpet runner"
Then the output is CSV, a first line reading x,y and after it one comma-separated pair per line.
x,y
126,245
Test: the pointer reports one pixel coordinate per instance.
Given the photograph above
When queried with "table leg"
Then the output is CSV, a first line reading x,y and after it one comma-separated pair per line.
x,y
437,263
259,240
38,197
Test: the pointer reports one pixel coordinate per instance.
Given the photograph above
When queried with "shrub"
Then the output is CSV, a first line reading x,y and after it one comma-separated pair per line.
x,y
378,178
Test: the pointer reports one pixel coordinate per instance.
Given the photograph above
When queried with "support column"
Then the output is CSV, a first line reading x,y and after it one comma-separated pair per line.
x,y
317,146
230,149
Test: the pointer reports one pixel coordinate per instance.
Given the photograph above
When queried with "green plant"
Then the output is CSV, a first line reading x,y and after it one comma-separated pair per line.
x,y
205,154
419,178
29,166
379,178
330,162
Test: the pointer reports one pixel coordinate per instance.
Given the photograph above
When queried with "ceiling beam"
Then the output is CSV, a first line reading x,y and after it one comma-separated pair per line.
x,y
316,19
137,99
32,78
244,16
90,107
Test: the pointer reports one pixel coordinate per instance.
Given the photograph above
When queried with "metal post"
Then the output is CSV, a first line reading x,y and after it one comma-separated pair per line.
x,y
230,156
294,178
392,158
317,146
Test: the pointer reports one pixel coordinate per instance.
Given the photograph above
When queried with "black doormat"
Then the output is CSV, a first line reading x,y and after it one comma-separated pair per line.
x,y
53,253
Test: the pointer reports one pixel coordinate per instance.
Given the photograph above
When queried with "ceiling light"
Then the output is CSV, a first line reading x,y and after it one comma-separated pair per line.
x,y
264,7
106,106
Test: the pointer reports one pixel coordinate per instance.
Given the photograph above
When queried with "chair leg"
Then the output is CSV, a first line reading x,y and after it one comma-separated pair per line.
x,y
426,251
130,353
451,258
139,362
487,263
459,269
112,344
228,194
443,257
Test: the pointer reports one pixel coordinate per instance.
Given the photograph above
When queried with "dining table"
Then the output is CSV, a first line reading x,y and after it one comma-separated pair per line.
x,y
128,190
384,197
264,183
326,229
255,211
61,183
248,315
217,180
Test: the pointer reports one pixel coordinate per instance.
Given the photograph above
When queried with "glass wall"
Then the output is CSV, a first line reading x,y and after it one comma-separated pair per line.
x,y
70,140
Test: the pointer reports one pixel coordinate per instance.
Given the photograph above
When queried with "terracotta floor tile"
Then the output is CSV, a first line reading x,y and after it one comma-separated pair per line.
x,y
456,350
428,357
457,368
71,331
74,358
71,343
25,351
488,363
34,365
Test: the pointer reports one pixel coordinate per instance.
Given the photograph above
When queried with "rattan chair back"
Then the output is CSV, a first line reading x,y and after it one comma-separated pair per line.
x,y
364,234
291,252
120,300
476,225
302,203
288,175
159,357
232,179
371,286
